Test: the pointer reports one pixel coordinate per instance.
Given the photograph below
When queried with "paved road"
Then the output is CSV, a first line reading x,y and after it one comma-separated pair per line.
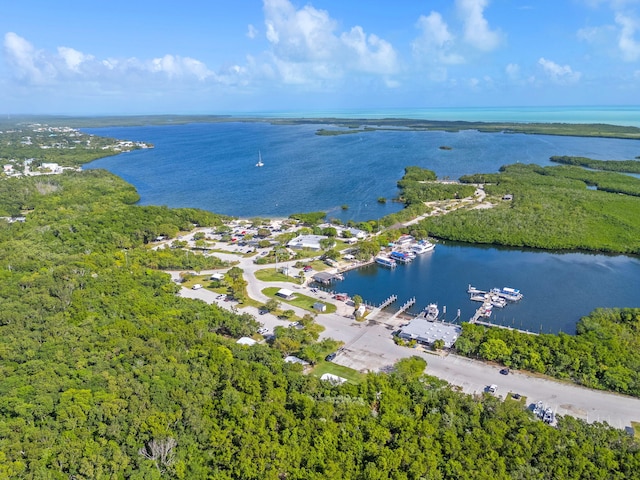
x,y
368,346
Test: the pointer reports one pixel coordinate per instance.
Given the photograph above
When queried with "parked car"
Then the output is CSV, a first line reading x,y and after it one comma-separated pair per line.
x,y
263,312
504,371
492,388
331,356
197,286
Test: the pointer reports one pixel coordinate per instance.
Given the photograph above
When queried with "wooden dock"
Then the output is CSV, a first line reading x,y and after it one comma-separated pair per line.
x,y
479,314
404,307
384,304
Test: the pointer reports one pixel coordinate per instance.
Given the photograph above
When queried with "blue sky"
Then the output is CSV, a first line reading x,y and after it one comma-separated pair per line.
x,y
239,56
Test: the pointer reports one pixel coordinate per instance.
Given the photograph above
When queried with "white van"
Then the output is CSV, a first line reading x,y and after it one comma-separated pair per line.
x,y
197,286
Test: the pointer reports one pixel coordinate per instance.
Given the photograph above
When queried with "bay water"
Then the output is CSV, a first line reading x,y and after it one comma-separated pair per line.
x,y
212,166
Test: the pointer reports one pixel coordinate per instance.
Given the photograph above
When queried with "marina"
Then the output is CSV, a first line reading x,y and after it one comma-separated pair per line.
x,y
569,284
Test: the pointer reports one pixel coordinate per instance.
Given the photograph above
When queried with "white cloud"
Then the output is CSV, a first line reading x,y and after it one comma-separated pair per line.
x,y
562,74
252,32
627,43
477,32
72,58
28,63
371,53
175,66
618,39
307,47
513,71
435,43
39,67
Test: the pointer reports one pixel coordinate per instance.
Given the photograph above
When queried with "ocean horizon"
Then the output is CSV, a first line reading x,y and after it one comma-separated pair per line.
x,y
615,115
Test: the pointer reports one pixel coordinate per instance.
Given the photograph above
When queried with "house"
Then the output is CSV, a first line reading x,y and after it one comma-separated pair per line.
x,y
285,293
293,359
357,233
307,242
217,277
53,167
320,307
331,262
246,341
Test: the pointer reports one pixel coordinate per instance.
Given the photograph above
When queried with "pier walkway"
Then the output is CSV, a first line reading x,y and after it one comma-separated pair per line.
x,y
403,308
480,313
383,305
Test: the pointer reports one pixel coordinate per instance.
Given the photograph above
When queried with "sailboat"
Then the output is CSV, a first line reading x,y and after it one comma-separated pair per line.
x,y
259,164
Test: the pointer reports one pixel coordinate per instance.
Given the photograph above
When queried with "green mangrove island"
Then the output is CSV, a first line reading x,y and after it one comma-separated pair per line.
x,y
107,373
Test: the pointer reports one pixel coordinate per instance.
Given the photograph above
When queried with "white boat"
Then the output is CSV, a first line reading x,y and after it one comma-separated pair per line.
x,y
511,294
259,164
431,312
423,247
385,261
497,301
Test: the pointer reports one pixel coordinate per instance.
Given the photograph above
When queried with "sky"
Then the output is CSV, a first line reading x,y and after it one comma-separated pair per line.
x,y
249,56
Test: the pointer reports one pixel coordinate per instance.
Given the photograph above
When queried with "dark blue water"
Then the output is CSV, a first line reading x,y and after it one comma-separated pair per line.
x,y
212,166
558,288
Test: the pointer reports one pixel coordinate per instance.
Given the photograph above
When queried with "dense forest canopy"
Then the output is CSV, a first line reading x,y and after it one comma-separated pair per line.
x,y
628,166
551,208
106,373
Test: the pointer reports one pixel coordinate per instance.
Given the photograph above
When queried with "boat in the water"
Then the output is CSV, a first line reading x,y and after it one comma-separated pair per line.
x,y
259,164
423,247
401,257
497,301
473,290
386,261
486,309
508,293
431,312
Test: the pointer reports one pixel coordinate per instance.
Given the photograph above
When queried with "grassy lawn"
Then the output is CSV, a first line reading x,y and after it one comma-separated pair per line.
x,y
319,265
345,372
271,275
299,300
636,429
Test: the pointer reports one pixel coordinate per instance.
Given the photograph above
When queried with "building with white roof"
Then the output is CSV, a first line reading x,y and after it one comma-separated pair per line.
x,y
309,242
426,332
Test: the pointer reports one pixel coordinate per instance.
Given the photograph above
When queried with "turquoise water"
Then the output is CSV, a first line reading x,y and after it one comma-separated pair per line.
x,y
618,115
212,166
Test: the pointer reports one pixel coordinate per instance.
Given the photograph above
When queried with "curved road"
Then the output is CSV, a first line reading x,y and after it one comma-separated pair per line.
x,y
368,346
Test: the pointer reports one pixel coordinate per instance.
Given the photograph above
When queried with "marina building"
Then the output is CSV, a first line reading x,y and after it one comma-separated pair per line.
x,y
426,332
